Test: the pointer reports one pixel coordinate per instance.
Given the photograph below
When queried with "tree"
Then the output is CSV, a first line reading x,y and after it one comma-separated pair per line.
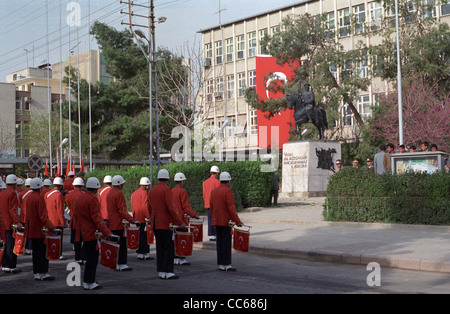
x,y
426,116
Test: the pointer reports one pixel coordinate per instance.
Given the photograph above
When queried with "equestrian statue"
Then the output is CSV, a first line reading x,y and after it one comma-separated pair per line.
x,y
306,111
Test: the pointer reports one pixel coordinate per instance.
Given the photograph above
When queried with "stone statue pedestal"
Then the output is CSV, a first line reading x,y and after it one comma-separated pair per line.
x,y
306,167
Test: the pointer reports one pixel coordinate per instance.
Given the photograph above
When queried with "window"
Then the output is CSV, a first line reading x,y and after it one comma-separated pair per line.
x,y
218,93
252,79
18,129
362,68
240,41
275,29
19,152
333,70
229,46
218,51
19,105
208,50
344,22
364,107
263,49
209,90
252,44
429,9
253,122
347,115
230,86
241,84
346,72
330,25
375,14
360,18
445,9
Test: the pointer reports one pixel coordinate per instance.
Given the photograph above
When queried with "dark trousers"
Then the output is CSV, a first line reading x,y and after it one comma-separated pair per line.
x,y
80,251
90,268
40,262
223,245
9,258
274,194
165,251
143,245
123,254
211,229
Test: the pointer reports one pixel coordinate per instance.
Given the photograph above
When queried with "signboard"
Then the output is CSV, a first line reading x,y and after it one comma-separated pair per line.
x,y
35,163
428,162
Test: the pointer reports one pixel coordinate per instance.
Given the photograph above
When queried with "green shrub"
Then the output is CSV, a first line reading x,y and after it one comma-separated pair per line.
x,y
250,186
412,198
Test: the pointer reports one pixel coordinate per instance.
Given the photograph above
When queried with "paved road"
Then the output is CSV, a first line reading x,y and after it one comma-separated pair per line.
x,y
256,275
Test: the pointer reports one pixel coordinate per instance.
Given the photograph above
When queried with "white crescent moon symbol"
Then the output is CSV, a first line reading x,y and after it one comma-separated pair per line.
x,y
108,254
183,245
241,240
275,76
54,247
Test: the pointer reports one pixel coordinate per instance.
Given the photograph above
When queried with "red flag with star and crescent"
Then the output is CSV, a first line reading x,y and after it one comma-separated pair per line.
x,y
109,254
184,242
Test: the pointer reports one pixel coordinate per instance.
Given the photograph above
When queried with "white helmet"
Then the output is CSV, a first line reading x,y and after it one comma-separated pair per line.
x,y
58,181
179,177
19,181
28,181
47,182
92,183
145,181
71,173
11,179
78,181
214,169
117,180
2,185
225,176
36,183
163,174
107,179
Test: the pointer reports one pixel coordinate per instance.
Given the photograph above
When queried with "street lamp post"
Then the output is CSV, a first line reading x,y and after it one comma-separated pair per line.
x,y
399,79
64,141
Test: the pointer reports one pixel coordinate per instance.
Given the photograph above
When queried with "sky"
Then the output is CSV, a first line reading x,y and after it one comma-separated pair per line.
x,y
28,25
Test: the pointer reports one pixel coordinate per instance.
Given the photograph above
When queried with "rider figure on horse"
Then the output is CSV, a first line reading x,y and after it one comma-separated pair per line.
x,y
308,99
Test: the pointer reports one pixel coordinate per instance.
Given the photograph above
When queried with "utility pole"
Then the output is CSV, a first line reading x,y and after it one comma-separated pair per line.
x,y
151,58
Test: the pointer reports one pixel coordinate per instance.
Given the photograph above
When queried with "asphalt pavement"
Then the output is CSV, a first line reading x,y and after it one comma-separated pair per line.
x,y
295,228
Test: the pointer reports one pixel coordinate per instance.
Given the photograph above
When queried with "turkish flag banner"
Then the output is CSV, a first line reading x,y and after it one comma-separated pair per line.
x,y
150,235
109,254
198,232
53,247
184,242
19,243
133,238
240,240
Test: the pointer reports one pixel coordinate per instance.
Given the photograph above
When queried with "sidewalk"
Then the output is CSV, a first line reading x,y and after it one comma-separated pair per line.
x,y
296,229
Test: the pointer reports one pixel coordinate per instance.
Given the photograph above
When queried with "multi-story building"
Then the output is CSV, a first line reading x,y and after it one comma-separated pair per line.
x,y
230,52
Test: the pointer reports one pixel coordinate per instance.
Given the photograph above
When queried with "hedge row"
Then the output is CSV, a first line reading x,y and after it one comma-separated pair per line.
x,y
412,198
250,186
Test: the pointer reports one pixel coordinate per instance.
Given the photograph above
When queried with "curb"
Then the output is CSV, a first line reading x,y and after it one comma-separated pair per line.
x,y
339,258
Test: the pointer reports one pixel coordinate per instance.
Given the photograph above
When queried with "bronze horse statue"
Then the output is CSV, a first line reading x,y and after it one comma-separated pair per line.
x,y
306,114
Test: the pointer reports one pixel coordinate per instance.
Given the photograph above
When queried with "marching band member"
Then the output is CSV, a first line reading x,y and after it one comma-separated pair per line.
x,y
181,202
163,213
68,184
54,201
209,184
117,211
90,220
36,218
23,210
101,196
46,188
222,211
10,216
140,212
71,197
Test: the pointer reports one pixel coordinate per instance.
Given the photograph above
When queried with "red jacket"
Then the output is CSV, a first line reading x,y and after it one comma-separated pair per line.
x,y
210,184
55,207
139,204
222,207
162,209
101,196
89,219
37,216
181,202
22,197
9,207
68,184
71,197
45,190
117,209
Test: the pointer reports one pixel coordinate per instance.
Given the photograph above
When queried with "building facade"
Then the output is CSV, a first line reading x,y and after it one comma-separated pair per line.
x,y
230,52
